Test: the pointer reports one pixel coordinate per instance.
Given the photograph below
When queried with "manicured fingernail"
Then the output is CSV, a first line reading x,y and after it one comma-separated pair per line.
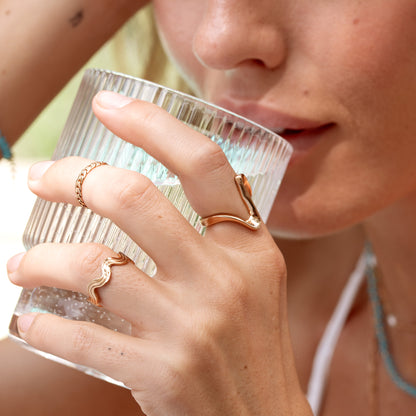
x,y
37,170
25,321
13,263
109,100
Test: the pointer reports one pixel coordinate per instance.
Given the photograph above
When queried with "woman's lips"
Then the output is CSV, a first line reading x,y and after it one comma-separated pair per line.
x,y
302,139
301,132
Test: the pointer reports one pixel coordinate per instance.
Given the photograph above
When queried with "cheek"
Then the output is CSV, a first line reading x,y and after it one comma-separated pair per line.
x,y
370,69
373,61
177,22
368,52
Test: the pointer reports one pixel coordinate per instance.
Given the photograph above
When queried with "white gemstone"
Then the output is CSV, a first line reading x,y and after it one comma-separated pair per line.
x,y
391,320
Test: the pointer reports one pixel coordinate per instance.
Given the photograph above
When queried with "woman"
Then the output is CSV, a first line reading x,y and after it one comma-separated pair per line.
x,y
338,82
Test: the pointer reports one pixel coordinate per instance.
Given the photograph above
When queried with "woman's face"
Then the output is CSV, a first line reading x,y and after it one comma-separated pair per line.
x,y
336,77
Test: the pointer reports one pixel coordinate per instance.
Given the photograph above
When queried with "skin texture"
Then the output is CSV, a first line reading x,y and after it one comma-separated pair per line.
x,y
219,310
345,70
350,63
314,284
55,41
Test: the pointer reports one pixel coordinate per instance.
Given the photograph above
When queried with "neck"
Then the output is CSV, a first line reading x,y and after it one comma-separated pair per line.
x,y
392,233
318,270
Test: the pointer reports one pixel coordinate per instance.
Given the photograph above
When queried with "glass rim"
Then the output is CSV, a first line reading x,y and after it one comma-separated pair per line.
x,y
209,105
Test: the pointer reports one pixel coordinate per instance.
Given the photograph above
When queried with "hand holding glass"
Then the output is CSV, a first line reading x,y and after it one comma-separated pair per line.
x,y
258,153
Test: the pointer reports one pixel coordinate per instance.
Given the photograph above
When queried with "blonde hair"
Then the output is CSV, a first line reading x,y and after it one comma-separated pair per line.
x,y
139,52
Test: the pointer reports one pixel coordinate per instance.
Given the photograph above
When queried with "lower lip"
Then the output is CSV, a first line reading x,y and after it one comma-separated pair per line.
x,y
305,140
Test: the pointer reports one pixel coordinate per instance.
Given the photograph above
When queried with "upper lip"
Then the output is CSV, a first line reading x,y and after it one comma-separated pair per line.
x,y
270,118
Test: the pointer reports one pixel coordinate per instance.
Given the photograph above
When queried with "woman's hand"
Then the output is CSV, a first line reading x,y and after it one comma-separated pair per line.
x,y
210,332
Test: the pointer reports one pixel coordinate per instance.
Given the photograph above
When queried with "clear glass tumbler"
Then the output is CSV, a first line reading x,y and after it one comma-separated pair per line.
x,y
258,153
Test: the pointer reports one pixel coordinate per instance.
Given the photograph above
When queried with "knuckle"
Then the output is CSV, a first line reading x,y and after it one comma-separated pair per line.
x,y
200,335
238,296
235,303
233,287
135,190
209,158
150,115
181,366
275,266
90,261
38,333
82,341
173,379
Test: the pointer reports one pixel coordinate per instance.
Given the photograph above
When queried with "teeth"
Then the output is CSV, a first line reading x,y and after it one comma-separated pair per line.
x,y
278,130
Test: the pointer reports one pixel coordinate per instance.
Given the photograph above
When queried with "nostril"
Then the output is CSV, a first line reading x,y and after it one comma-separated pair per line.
x,y
258,62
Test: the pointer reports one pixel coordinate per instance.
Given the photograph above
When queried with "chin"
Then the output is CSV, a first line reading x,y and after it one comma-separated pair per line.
x,y
312,220
299,232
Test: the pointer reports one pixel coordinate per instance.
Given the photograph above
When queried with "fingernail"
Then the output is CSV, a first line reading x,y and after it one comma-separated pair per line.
x,y
25,321
109,99
13,263
37,170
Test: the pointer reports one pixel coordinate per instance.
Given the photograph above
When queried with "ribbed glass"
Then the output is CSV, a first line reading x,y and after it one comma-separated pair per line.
x,y
258,153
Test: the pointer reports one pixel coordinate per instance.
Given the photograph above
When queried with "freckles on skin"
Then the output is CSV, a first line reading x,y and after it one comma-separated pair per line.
x,y
379,83
380,40
77,18
352,62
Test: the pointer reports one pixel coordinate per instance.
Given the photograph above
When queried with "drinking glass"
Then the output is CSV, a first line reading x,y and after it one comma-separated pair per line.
x,y
251,149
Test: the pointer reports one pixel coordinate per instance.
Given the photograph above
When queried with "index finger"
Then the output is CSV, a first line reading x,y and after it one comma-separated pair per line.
x,y
202,167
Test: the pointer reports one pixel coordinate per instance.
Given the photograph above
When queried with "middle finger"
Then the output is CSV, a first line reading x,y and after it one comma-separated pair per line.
x,y
127,198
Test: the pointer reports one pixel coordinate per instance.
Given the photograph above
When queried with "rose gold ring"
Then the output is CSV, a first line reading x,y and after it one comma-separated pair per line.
x,y
254,220
105,277
81,178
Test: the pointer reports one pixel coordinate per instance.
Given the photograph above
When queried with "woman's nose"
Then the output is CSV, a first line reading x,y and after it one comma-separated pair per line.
x,y
232,34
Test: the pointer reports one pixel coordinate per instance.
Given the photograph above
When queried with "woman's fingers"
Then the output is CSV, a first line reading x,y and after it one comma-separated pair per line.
x,y
129,293
93,346
204,171
129,199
